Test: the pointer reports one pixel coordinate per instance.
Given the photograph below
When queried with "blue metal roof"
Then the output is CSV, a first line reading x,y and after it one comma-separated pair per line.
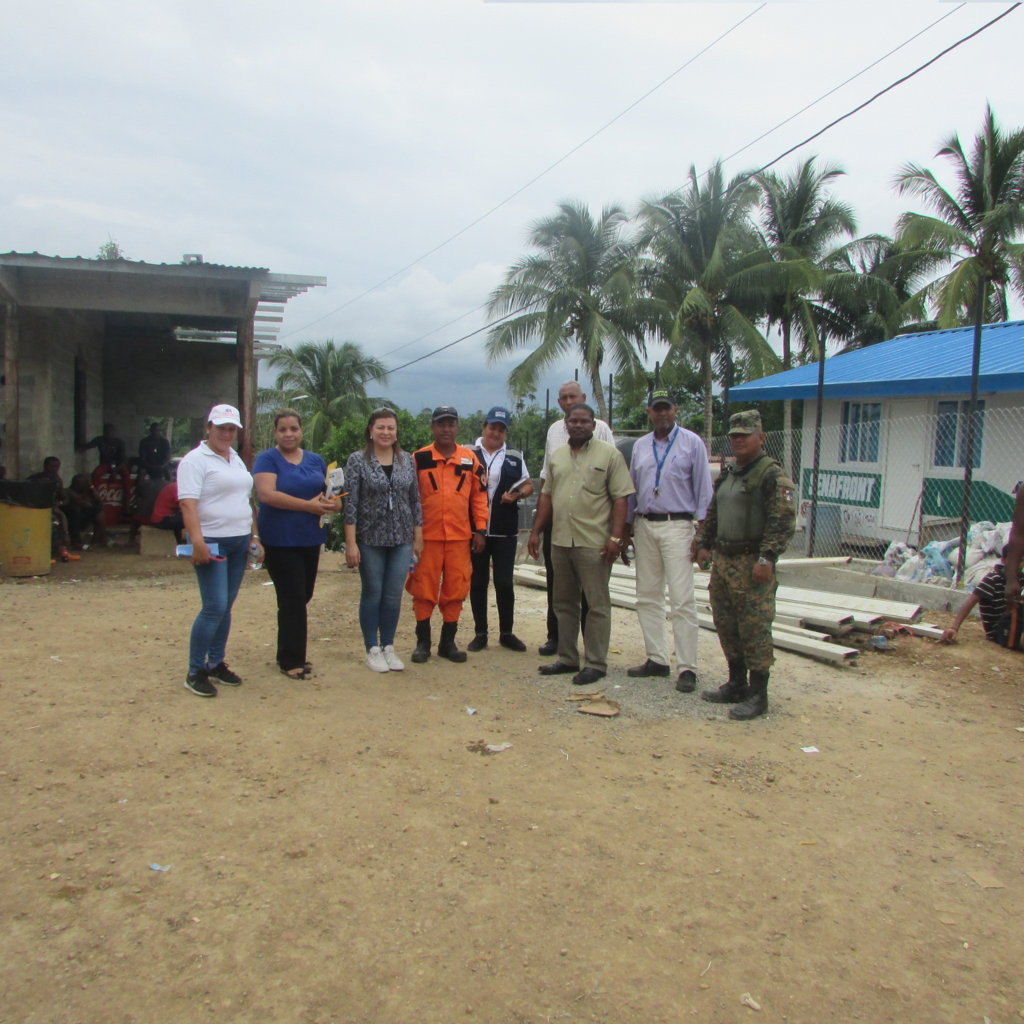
x,y
929,363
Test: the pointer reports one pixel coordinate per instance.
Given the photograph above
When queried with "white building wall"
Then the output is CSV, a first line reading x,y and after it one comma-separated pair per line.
x,y
906,453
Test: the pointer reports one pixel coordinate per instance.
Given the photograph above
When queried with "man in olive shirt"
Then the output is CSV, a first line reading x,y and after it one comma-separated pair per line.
x,y
584,497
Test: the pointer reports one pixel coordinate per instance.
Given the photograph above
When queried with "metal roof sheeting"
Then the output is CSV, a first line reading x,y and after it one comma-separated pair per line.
x,y
929,363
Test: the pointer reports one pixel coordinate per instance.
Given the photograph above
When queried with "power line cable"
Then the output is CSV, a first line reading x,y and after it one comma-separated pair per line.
x,y
522,188
760,170
841,85
888,88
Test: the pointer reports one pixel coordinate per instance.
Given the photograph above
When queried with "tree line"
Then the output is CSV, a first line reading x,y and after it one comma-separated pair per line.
x,y
716,268
713,271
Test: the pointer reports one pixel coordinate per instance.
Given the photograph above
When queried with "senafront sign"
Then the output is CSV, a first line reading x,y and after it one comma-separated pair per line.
x,y
839,487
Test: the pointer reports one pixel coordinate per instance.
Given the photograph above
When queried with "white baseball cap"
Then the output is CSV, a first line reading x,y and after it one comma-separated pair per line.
x,y
221,414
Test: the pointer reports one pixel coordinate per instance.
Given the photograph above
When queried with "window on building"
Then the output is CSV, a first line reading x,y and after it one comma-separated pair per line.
x,y
858,437
951,434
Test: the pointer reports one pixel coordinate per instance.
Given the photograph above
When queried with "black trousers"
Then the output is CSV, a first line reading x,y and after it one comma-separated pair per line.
x,y
501,553
549,575
293,571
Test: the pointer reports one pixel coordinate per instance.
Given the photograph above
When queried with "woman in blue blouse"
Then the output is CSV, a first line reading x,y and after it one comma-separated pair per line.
x,y
383,532
290,484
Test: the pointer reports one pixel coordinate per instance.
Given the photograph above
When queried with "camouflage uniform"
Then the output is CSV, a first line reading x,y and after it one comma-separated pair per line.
x,y
751,517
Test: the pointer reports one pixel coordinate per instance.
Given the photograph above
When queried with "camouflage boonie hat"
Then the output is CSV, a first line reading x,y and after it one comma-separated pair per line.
x,y
748,422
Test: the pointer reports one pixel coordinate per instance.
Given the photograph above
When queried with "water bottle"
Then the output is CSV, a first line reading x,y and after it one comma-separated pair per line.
x,y
254,554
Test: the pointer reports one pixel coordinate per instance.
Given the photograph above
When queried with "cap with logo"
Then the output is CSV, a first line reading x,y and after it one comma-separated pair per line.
x,y
444,412
498,415
747,422
223,414
660,396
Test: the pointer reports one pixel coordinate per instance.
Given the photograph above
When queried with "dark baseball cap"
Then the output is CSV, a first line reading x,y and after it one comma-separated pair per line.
x,y
660,397
498,414
444,412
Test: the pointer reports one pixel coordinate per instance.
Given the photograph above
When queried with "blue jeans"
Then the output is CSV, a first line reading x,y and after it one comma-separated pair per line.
x,y
383,572
218,588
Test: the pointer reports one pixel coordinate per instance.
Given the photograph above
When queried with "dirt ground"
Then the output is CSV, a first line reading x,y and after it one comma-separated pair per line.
x,y
342,851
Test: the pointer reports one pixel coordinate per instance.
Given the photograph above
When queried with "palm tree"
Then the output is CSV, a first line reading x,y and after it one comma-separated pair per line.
x,y
326,381
874,290
576,294
975,229
800,222
976,224
700,244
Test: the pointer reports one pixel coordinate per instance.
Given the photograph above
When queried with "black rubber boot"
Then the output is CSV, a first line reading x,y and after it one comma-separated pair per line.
x,y
756,703
446,645
422,652
733,691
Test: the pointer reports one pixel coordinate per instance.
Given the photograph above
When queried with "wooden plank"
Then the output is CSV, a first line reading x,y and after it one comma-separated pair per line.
x,y
824,560
898,611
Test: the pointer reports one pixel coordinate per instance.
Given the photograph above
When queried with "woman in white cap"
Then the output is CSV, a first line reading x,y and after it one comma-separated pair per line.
x,y
214,489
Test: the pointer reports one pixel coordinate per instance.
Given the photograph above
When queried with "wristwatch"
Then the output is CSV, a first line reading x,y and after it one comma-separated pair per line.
x,y
616,540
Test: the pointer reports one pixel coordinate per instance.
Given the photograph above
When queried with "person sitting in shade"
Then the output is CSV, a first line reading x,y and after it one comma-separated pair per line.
x,y
989,597
155,454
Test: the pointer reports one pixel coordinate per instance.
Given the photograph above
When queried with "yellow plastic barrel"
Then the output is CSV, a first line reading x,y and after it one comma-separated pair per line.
x,y
24,540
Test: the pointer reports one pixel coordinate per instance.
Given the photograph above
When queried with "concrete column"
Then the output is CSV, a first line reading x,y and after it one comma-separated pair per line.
x,y
11,453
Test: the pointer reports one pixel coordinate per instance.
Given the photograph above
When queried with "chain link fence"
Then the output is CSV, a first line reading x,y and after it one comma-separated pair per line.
x,y
897,479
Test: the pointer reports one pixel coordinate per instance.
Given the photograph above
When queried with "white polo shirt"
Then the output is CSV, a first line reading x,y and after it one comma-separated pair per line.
x,y
222,488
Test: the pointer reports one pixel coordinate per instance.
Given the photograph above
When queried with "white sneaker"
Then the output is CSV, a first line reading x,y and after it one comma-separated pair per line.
x,y
375,660
395,663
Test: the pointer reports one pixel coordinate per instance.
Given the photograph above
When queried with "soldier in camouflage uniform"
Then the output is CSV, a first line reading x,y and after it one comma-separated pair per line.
x,y
749,524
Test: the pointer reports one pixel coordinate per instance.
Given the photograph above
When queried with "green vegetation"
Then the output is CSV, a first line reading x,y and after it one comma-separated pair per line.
x,y
717,268
723,273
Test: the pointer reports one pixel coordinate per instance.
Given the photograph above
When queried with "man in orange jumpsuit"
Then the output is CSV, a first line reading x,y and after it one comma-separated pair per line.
x,y
453,492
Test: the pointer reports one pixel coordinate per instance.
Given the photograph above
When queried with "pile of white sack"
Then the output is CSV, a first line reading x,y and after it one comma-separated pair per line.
x,y
936,562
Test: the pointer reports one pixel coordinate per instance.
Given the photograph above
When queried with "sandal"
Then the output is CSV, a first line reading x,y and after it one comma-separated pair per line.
x,y
297,674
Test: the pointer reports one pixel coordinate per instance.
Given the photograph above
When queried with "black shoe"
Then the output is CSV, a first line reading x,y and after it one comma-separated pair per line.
x,y
422,652
648,668
548,648
733,690
687,681
446,647
224,675
199,684
557,668
512,642
756,703
587,676
478,643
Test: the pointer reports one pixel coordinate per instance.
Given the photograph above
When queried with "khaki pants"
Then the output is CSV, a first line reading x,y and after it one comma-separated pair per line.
x,y
663,559
583,569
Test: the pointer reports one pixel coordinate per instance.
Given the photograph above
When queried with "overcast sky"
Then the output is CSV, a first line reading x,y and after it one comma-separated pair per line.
x,y
347,140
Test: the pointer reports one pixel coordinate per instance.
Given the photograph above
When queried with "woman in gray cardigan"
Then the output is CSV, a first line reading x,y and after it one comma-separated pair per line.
x,y
383,533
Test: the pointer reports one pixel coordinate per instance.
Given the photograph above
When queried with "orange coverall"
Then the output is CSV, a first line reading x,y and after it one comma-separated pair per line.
x,y
453,493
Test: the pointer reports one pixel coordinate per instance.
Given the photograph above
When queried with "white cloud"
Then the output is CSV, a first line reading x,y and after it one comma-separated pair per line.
x,y
347,139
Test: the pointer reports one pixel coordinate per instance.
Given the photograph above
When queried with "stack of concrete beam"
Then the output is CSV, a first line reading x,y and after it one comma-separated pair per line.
x,y
807,620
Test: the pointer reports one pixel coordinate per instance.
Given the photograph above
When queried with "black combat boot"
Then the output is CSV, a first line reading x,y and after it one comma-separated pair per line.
x,y
422,652
446,645
734,690
756,703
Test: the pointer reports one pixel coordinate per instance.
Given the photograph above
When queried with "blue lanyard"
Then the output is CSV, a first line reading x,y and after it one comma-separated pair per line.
x,y
660,463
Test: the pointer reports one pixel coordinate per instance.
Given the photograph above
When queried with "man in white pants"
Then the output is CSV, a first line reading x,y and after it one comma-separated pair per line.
x,y
670,472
